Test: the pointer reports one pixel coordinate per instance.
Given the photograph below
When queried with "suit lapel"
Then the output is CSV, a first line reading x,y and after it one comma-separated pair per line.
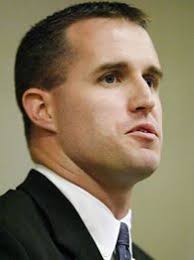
x,y
66,227
138,253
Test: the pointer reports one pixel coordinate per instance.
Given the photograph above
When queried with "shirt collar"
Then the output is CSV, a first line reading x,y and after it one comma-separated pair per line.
x,y
97,217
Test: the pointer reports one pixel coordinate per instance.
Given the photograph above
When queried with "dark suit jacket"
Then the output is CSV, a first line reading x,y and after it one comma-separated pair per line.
x,y
38,223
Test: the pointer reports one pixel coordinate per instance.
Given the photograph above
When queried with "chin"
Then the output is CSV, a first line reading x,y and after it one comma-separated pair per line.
x,y
146,165
151,161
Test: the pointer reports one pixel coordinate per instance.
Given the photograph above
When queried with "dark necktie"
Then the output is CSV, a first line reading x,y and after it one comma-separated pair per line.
x,y
122,247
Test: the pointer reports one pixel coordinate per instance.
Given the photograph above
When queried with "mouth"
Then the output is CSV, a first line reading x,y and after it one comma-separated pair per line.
x,y
147,130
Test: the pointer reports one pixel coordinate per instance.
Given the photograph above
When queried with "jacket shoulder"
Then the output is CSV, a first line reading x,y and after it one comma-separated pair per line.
x,y
13,206
24,230
10,247
16,208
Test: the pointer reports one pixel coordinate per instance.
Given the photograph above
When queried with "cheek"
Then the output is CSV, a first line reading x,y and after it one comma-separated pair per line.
x,y
160,113
104,111
158,110
158,116
91,111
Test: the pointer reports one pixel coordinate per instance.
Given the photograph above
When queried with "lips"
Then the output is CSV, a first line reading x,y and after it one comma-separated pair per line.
x,y
144,128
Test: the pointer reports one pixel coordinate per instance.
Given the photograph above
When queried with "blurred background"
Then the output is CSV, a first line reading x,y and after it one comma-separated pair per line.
x,y
163,205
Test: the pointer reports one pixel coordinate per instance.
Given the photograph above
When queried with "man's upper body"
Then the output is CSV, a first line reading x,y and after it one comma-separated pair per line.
x,y
38,222
87,83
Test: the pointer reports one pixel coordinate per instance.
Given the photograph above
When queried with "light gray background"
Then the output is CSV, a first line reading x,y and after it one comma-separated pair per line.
x,y
163,206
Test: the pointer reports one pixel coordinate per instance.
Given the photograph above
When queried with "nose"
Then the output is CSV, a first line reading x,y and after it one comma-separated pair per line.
x,y
142,97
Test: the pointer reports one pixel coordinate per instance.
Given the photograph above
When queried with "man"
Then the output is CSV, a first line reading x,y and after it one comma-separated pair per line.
x,y
87,83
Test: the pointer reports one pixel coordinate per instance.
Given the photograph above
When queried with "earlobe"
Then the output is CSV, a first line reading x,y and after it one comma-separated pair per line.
x,y
37,104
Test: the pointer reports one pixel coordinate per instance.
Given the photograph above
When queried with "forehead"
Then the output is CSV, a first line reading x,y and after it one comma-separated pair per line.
x,y
108,39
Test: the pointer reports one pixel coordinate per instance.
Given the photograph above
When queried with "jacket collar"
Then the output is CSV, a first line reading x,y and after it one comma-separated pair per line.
x,y
65,224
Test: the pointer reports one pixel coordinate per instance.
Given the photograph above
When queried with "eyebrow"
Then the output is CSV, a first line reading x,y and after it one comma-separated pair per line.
x,y
124,66
155,71
110,66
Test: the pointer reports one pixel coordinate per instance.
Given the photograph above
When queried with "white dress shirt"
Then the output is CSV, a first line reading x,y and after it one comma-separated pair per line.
x,y
97,217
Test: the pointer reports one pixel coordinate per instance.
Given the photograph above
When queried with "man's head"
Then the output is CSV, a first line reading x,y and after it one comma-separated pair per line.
x,y
88,76
45,52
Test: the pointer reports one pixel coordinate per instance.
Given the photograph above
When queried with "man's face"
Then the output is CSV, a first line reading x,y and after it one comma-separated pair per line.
x,y
108,111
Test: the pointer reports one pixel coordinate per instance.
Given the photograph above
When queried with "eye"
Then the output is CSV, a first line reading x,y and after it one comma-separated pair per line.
x,y
111,78
151,81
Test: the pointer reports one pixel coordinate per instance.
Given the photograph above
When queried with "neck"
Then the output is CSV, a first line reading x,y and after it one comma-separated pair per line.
x,y
116,198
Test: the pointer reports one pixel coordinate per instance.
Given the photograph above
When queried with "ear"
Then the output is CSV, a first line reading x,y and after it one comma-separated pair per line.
x,y
38,106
